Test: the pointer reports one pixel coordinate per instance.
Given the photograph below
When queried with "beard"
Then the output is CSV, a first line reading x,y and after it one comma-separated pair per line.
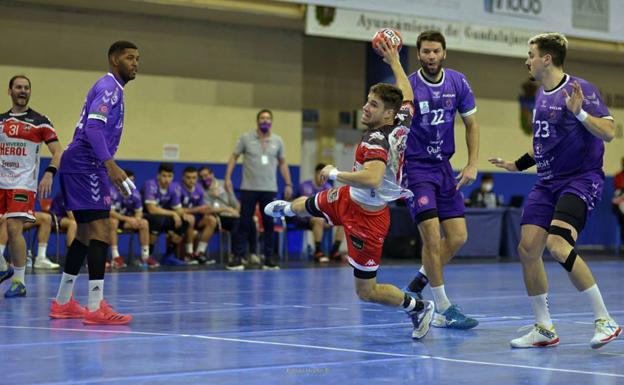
x,y
431,73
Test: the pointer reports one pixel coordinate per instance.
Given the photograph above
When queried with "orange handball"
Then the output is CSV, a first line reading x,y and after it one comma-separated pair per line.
x,y
391,36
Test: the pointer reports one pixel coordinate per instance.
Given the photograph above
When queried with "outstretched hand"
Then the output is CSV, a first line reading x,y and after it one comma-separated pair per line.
x,y
574,102
502,163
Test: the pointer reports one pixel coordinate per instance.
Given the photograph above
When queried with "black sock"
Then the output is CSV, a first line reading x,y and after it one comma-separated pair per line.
x,y
418,283
96,258
317,247
75,257
409,301
335,247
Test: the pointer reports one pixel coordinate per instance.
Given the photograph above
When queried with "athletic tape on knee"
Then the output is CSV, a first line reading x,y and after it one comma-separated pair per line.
x,y
569,262
563,233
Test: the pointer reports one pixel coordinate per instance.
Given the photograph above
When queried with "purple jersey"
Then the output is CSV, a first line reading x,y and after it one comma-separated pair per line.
x,y
563,146
308,188
58,206
105,102
192,198
432,138
168,198
127,206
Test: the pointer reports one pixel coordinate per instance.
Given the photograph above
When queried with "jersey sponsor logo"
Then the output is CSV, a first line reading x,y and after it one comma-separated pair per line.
x,y
424,107
7,164
103,108
332,195
436,94
22,198
357,242
370,262
17,149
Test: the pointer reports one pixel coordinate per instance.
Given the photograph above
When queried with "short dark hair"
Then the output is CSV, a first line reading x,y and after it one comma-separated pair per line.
x,y
14,78
202,168
129,172
262,111
431,35
165,167
119,46
553,44
190,169
486,176
319,167
391,96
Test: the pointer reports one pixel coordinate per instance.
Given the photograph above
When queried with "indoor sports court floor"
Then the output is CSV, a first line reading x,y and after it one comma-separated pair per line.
x,y
304,326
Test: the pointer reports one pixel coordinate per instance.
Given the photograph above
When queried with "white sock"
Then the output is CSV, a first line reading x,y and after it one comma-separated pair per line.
x,y
288,211
422,270
439,297
96,293
144,252
115,251
41,250
2,247
189,248
3,263
201,247
539,303
20,273
66,288
597,304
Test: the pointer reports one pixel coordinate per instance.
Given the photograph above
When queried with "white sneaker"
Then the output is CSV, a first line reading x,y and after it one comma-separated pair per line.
x,y
606,331
45,263
276,208
254,259
538,337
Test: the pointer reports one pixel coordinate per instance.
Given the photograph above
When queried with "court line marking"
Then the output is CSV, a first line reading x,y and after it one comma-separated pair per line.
x,y
328,348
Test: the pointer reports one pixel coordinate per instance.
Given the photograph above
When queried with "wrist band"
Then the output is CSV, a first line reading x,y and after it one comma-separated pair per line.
x,y
333,174
51,169
525,162
581,116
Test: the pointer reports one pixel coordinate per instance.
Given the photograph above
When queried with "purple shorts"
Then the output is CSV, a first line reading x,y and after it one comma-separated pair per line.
x,y
433,188
86,191
542,199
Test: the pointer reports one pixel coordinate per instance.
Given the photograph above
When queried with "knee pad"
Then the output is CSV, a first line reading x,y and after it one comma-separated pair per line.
x,y
569,262
310,205
563,233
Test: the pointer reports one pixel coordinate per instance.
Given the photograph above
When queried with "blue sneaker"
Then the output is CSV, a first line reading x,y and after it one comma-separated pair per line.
x,y
8,273
172,260
17,289
453,318
417,285
422,319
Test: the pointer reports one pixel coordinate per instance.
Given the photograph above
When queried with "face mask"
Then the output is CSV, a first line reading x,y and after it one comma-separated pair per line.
x,y
207,181
487,187
264,127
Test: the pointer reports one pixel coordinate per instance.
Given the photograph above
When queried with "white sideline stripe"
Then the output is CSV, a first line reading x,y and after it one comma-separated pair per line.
x,y
329,348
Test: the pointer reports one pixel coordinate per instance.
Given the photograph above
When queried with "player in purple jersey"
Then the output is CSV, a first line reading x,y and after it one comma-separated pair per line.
x,y
570,125
86,167
205,222
163,206
439,93
310,188
127,215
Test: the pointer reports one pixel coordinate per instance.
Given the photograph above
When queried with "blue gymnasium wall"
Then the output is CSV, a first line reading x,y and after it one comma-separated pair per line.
x,y
600,229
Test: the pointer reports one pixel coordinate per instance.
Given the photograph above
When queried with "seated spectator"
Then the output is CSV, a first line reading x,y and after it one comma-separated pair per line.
x,y
484,196
127,215
65,219
317,225
223,203
205,222
161,201
43,223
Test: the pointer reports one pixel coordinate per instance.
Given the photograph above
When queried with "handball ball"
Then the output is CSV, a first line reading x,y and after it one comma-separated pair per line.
x,y
390,35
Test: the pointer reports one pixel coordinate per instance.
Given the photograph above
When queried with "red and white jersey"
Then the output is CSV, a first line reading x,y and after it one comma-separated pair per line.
x,y
386,144
20,137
